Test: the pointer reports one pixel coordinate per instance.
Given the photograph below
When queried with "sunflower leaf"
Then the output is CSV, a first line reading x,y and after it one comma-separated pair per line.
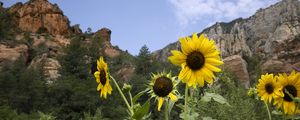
x,y
137,96
216,97
142,111
208,118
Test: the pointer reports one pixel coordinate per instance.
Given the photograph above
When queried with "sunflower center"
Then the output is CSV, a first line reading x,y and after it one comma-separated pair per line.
x,y
269,88
195,60
162,86
291,90
102,77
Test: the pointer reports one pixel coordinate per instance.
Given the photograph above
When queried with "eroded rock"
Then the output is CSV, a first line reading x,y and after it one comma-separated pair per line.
x,y
238,66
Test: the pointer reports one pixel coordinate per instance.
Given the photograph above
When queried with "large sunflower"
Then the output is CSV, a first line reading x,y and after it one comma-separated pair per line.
x,y
290,86
102,78
199,59
162,86
268,88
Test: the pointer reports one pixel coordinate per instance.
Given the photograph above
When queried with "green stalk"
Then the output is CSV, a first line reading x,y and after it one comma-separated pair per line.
x,y
130,97
123,96
269,113
185,101
167,110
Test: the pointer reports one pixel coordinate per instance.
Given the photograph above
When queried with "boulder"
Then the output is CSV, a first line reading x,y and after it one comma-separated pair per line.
x,y
238,66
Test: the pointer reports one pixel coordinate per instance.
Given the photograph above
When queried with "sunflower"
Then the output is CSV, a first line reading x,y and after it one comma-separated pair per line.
x,y
102,78
291,88
162,86
268,88
199,59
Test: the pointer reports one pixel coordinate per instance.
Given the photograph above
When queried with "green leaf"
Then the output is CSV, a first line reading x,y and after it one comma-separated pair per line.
x,y
208,118
276,112
143,111
137,96
191,115
216,97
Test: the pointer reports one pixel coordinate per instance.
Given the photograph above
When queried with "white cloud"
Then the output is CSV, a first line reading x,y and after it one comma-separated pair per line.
x,y
190,12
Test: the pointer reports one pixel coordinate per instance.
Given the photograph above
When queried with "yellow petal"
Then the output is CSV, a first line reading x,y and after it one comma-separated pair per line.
x,y
185,47
188,76
99,87
182,74
200,79
213,61
160,103
192,79
212,68
101,94
203,45
98,65
191,43
104,90
196,42
173,97
214,54
178,58
97,76
109,89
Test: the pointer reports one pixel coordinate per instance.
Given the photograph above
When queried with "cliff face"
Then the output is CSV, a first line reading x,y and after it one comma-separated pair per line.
x,y
45,30
272,33
40,16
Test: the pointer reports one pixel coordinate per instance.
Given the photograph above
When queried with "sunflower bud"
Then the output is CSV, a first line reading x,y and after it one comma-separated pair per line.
x,y
126,88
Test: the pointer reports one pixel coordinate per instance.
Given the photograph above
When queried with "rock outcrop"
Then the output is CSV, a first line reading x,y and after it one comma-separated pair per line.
x,y
272,33
40,16
10,54
50,67
238,66
104,35
276,66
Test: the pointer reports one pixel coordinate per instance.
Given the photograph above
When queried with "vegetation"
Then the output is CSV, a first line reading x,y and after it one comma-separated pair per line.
x,y
25,94
7,26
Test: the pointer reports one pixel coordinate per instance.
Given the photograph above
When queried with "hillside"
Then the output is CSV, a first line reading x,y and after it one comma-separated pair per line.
x,y
271,35
39,31
47,68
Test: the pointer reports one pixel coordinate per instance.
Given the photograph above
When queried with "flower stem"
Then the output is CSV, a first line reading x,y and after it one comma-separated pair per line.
x,y
130,97
167,110
123,96
185,101
270,118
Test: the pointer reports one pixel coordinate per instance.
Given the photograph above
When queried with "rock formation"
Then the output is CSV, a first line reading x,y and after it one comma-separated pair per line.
x,y
238,66
272,33
104,35
49,65
40,16
10,54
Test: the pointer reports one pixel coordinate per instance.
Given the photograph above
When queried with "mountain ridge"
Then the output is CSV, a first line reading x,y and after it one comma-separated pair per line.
x,y
271,33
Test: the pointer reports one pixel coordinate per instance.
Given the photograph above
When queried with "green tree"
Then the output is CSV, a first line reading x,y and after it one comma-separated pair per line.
x,y
22,88
143,61
75,58
7,26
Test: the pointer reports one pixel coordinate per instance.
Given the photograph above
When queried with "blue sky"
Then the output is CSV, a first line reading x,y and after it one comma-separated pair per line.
x,y
155,23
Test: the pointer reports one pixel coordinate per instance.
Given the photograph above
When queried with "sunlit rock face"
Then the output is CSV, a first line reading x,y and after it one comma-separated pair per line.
x,y
238,66
40,16
105,35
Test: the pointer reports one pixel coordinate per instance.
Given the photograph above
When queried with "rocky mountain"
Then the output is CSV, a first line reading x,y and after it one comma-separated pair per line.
x,y
40,15
43,28
272,33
